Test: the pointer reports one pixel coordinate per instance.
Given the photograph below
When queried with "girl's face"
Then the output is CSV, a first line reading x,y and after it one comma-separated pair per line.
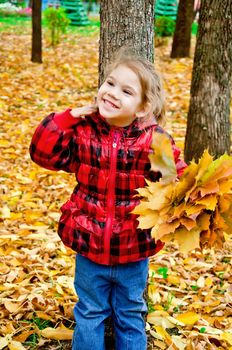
x,y
120,97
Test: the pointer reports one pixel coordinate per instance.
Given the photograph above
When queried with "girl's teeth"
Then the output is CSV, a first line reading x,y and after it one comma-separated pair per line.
x,y
110,104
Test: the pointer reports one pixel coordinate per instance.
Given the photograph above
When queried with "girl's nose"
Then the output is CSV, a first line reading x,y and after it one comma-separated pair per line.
x,y
114,93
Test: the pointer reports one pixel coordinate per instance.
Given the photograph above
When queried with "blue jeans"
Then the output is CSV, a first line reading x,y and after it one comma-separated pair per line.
x,y
115,291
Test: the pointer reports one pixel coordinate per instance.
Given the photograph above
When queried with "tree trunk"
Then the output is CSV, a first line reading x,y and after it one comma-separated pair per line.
x,y
182,36
36,55
125,23
128,23
208,123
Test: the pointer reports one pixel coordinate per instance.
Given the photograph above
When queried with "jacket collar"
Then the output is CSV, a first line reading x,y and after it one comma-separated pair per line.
x,y
135,129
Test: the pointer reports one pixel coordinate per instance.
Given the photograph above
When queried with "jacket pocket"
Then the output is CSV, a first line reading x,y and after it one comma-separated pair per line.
x,y
78,230
83,219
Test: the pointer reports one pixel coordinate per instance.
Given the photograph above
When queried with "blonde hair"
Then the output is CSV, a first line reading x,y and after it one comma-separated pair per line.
x,y
151,82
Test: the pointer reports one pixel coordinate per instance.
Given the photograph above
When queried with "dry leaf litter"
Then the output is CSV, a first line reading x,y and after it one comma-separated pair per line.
x,y
190,296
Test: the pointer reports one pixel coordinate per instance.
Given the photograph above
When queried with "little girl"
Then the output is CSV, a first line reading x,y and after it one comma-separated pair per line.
x,y
107,147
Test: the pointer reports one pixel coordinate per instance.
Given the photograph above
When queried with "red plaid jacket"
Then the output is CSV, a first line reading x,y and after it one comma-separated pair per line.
x,y
109,163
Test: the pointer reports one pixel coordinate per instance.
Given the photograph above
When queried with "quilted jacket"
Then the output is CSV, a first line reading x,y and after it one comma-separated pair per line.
x,y
109,163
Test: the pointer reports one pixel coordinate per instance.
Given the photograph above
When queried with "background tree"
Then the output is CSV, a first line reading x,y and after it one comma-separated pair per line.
x,y
208,124
125,23
182,35
36,55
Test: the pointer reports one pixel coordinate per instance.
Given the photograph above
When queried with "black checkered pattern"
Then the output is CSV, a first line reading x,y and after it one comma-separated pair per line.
x,y
92,223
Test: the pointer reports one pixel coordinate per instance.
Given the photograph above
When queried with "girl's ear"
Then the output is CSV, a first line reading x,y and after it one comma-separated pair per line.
x,y
140,114
144,112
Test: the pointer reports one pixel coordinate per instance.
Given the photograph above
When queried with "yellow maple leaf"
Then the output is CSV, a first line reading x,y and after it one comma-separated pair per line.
x,y
186,182
162,332
142,208
227,337
164,229
162,160
208,188
15,345
148,220
187,240
166,337
199,170
218,169
163,196
189,318
203,165
188,223
3,342
209,201
172,279
179,210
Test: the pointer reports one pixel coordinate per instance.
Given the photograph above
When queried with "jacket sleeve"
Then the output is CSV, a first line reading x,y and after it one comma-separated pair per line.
x,y
52,145
180,164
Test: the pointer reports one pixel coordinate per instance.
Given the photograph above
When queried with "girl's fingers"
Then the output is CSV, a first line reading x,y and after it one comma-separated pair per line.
x,y
90,109
83,111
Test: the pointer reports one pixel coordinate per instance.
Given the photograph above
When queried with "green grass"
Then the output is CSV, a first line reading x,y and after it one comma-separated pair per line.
x,y
9,23
91,29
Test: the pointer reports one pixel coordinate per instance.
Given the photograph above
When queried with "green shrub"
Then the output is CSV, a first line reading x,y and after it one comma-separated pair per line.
x,y
57,22
164,26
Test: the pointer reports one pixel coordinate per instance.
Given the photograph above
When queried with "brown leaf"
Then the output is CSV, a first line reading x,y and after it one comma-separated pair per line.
x,y
61,333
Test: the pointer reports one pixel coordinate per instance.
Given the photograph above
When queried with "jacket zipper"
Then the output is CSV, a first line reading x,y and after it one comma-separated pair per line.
x,y
111,197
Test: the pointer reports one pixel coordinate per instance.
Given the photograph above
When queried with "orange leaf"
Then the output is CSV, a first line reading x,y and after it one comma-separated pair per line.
x,y
209,202
24,335
188,223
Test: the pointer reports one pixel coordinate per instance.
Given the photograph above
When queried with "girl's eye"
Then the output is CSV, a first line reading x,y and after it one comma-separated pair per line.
x,y
128,92
110,83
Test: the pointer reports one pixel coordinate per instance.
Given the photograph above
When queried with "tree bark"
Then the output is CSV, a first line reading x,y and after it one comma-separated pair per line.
x,y
36,55
182,36
208,124
128,23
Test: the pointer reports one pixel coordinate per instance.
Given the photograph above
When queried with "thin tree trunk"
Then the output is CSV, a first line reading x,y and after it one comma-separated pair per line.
x,y
208,123
36,55
182,36
128,23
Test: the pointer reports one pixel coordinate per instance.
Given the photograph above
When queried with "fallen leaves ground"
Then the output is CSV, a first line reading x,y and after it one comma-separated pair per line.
x,y
190,296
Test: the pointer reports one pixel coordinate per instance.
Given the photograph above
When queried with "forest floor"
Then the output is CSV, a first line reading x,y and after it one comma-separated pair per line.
x,y
190,296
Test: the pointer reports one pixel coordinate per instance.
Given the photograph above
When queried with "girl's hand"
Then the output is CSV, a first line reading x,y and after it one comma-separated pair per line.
x,y
83,111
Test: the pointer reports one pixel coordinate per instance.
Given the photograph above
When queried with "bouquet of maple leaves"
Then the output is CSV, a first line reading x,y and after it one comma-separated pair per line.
x,y
196,209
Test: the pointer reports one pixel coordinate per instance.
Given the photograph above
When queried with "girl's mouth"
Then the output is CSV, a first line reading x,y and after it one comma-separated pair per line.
x,y
109,103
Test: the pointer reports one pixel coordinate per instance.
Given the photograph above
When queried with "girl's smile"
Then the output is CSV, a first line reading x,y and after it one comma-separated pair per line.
x,y
107,102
